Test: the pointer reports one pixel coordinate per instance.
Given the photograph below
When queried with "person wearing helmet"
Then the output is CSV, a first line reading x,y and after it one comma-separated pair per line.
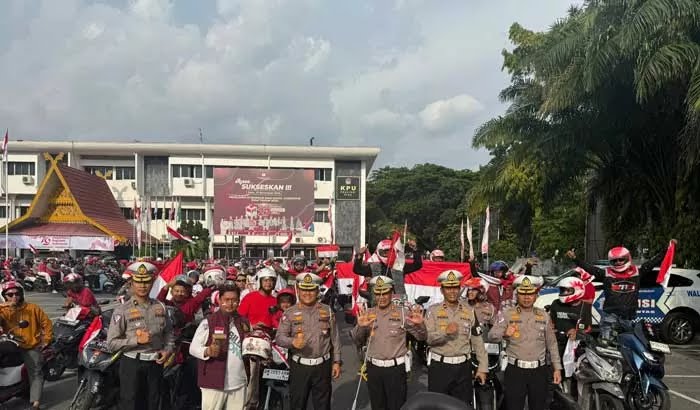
x,y
180,289
78,294
377,264
383,329
32,338
587,278
193,277
286,298
217,344
500,280
476,299
621,282
142,330
569,313
437,256
256,305
298,265
529,338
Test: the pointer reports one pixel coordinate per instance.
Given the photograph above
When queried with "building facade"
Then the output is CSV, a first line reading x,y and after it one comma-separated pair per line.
x,y
168,178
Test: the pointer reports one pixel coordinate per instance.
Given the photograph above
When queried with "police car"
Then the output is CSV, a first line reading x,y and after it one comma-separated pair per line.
x,y
675,311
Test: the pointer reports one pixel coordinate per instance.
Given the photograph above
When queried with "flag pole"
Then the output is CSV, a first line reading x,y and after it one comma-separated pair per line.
x,y
7,211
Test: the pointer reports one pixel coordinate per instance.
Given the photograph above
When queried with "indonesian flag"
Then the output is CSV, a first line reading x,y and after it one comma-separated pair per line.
x,y
666,265
327,251
5,143
33,250
469,238
137,211
92,331
422,282
171,269
397,257
288,242
485,240
177,235
461,241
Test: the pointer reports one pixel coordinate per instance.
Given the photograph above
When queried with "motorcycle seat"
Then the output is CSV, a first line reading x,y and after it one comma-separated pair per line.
x,y
10,355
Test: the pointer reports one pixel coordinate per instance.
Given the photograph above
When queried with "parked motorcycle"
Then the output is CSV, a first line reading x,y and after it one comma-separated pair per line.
x,y
99,281
14,380
598,377
98,384
67,333
38,282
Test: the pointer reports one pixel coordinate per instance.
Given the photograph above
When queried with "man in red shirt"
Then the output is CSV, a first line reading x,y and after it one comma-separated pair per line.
x,y
256,305
78,294
181,290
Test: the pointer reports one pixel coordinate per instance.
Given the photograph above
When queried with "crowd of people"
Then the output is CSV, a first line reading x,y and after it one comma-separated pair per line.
x,y
226,304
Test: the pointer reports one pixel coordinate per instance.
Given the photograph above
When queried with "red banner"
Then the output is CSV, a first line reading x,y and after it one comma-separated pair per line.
x,y
268,202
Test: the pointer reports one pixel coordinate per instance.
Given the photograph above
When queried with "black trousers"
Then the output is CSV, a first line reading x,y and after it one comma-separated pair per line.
x,y
520,383
310,379
387,386
139,384
452,379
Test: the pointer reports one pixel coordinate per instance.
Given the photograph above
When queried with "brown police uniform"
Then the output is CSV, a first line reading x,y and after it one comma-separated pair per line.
x,y
310,366
449,371
527,373
386,349
139,374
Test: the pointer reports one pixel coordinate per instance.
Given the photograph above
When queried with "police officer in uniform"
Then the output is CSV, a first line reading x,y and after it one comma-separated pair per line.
x,y
529,337
384,329
141,329
310,332
453,334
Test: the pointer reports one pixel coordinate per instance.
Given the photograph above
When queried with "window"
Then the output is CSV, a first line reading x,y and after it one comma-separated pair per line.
x,y
20,168
2,211
188,171
323,174
192,214
321,216
128,213
679,281
23,210
210,171
125,173
101,171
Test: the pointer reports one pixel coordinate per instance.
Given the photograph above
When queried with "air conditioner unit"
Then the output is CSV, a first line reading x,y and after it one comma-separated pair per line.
x,y
298,240
321,239
189,183
27,179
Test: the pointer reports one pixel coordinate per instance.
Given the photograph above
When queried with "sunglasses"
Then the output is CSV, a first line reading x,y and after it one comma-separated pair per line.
x,y
11,295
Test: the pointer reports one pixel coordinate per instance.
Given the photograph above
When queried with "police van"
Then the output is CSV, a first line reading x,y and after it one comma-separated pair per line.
x,y
674,311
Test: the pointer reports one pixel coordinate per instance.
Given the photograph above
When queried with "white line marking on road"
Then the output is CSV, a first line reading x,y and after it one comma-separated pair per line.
x,y
683,396
683,376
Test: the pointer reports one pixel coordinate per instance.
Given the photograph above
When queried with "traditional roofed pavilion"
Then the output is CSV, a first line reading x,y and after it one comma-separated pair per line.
x,y
72,210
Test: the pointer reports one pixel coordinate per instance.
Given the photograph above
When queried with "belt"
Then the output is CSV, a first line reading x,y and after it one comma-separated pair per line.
x,y
448,359
387,363
146,357
311,362
524,364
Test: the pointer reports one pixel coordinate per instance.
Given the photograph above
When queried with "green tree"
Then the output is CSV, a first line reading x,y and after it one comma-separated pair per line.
x,y
199,247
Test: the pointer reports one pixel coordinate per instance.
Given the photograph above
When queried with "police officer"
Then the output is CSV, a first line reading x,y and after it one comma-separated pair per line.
x,y
142,330
384,329
310,332
453,334
529,337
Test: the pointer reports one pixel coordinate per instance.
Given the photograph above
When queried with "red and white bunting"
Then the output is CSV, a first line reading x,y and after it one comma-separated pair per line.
x,y
33,250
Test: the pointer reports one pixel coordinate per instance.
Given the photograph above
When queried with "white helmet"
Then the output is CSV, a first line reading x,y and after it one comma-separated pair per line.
x,y
266,273
571,289
437,253
214,277
257,344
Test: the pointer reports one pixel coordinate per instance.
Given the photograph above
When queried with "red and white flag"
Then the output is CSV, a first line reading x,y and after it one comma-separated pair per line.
x,y
397,256
33,250
172,210
171,269
177,235
461,242
5,143
666,265
469,239
288,242
485,240
137,211
327,251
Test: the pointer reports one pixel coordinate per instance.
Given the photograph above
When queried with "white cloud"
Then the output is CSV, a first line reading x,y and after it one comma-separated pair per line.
x,y
253,71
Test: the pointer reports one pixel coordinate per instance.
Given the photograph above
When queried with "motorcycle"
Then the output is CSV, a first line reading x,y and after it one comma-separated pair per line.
x,y
489,396
276,378
643,366
67,333
98,372
598,377
14,380
99,281
419,348
39,282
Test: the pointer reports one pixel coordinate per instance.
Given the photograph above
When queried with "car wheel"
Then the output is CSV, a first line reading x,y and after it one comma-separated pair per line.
x,y
678,328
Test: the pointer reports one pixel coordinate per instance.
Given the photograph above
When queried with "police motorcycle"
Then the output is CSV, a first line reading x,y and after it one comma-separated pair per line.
x,y
14,380
643,368
98,374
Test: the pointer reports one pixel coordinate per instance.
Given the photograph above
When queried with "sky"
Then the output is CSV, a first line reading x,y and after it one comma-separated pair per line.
x,y
413,77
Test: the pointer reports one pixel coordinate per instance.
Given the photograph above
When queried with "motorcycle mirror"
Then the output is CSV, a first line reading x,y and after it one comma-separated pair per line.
x,y
23,324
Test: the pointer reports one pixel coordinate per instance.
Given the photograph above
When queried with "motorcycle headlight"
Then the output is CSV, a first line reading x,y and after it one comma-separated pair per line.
x,y
649,357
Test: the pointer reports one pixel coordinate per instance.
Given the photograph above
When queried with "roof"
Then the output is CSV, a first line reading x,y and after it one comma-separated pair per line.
x,y
73,202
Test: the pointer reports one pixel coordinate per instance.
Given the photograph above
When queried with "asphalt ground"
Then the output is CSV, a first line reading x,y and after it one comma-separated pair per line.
x,y
682,372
